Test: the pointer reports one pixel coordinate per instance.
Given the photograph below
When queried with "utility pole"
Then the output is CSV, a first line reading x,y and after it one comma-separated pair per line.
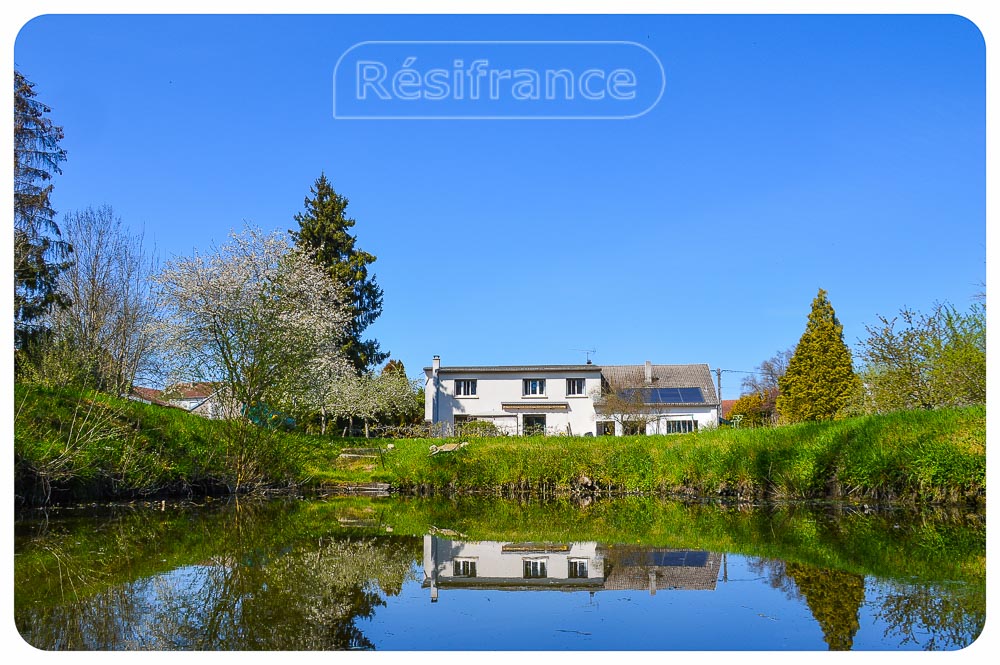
x,y
718,381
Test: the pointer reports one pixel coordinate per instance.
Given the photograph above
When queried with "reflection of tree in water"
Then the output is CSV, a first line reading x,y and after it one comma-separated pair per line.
x,y
264,590
947,616
303,600
833,596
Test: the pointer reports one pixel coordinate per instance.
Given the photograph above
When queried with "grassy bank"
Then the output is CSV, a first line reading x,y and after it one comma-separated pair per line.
x,y
75,446
916,455
72,445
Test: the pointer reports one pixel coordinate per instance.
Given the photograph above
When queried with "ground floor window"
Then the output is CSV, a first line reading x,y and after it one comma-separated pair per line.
x,y
534,424
634,428
678,426
535,568
605,428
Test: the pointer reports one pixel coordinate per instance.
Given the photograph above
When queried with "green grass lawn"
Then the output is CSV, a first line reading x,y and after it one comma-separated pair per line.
x,y
70,445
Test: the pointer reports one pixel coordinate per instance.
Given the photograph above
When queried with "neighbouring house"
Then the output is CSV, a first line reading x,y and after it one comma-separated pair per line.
x,y
585,400
148,396
577,566
727,406
202,398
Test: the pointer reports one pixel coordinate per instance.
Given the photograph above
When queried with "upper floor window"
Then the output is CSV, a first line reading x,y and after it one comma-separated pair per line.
x,y
534,387
465,387
465,568
575,386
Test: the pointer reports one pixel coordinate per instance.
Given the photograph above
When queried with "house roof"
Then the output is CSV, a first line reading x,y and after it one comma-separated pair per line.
x,y
522,369
664,376
652,569
151,395
727,406
197,390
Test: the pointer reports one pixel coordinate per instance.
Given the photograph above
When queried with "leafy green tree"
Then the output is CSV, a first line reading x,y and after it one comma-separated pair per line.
x,y
764,381
925,361
40,253
324,230
834,598
754,409
820,379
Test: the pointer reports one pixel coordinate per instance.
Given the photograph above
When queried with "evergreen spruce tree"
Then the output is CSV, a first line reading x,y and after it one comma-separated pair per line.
x,y
834,597
40,253
324,229
820,379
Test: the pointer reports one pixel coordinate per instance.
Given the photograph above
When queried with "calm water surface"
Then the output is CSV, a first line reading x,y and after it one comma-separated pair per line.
x,y
432,574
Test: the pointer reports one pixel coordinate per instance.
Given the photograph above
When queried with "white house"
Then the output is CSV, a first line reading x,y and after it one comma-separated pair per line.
x,y
578,400
202,398
577,566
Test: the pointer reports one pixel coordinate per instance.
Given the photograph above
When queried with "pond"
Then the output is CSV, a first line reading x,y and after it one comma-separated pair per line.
x,y
491,574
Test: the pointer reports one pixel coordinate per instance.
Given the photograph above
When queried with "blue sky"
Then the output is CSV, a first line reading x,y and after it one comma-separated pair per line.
x,y
787,154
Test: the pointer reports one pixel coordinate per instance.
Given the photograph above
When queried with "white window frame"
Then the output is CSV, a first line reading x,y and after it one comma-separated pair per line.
x,y
574,381
526,386
463,566
465,385
677,426
536,565
576,562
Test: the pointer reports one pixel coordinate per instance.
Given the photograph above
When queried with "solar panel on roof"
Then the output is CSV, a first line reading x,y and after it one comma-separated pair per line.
x,y
691,395
666,395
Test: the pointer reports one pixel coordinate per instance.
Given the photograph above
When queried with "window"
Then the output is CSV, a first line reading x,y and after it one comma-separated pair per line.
x,y
465,387
575,386
465,568
578,568
534,568
605,428
678,426
633,428
534,424
534,387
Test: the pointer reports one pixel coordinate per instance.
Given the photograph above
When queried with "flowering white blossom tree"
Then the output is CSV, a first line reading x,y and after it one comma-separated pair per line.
x,y
256,315
363,397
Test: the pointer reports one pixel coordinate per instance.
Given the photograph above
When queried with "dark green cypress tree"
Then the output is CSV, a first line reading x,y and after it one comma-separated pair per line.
x,y
40,253
820,379
324,229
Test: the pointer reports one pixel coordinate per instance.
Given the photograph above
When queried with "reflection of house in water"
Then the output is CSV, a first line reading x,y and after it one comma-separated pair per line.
x,y
585,566
653,568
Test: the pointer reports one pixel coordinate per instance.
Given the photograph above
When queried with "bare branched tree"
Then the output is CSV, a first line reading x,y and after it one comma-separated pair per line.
x,y
629,407
107,331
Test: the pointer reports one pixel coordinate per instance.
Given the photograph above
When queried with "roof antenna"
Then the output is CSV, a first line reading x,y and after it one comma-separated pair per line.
x,y
588,352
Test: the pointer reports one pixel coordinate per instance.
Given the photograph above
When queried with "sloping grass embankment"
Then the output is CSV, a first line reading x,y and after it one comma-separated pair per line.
x,y
924,456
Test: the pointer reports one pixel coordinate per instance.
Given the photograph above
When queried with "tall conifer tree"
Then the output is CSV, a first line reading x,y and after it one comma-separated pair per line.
x,y
820,378
40,253
324,229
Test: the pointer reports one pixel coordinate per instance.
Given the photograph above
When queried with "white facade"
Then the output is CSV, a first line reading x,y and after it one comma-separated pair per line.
x,y
575,566
501,396
559,399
